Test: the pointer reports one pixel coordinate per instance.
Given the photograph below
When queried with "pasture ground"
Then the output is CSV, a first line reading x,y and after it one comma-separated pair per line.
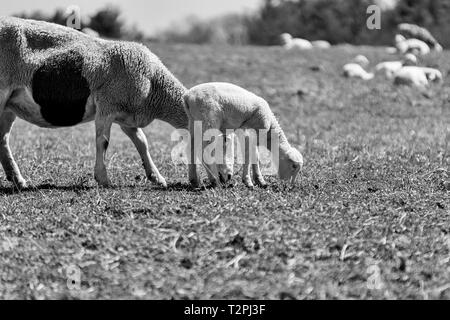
x,y
372,196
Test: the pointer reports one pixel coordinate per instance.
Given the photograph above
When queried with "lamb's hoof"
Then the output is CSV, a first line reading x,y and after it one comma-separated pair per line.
x,y
249,184
262,184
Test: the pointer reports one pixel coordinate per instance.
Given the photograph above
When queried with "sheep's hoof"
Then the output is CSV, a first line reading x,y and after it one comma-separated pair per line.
x,y
214,184
194,183
20,184
103,182
249,184
160,181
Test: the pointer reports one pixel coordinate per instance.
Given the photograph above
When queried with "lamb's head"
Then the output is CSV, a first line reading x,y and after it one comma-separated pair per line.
x,y
401,44
285,38
409,60
291,162
226,166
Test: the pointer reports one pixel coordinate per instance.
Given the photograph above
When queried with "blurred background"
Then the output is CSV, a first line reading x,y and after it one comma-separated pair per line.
x,y
247,22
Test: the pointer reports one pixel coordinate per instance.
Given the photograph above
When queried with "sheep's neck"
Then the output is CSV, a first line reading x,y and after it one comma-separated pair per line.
x,y
276,132
165,101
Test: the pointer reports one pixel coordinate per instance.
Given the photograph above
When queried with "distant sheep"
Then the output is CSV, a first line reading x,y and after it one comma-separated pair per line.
x,y
411,76
389,68
289,42
90,32
54,76
417,76
225,106
414,31
355,69
414,46
321,44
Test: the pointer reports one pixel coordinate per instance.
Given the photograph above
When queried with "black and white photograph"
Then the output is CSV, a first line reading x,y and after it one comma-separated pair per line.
x,y
242,151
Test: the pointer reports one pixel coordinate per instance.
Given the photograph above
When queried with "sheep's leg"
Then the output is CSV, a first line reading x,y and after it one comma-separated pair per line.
x,y
102,135
246,177
194,179
6,158
139,140
257,175
211,169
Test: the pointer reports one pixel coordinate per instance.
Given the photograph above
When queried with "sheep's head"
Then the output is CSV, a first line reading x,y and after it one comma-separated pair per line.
x,y
409,60
285,38
399,38
290,165
361,60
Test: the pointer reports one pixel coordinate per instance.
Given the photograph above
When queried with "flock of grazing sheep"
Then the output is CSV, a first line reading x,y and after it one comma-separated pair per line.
x,y
54,76
411,42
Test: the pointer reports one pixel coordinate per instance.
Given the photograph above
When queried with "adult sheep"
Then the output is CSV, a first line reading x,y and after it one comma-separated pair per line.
x,y
54,76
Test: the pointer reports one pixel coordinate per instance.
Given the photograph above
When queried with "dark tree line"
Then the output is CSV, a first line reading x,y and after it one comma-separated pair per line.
x,y
106,21
344,21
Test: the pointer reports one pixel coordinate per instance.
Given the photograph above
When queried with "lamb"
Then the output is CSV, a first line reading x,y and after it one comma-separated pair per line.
x,y
224,106
54,76
389,68
355,69
412,45
294,43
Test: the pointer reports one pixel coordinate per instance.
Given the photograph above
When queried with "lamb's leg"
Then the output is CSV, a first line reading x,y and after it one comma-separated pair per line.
x,y
257,175
194,179
246,177
6,158
138,138
102,135
211,169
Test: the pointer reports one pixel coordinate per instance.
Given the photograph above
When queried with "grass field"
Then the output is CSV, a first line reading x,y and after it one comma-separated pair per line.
x,y
372,196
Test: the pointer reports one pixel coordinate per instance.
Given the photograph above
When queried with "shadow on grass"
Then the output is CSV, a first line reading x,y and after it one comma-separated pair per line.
x,y
178,186
46,186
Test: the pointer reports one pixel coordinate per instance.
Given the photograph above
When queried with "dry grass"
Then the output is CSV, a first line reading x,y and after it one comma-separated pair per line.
x,y
373,192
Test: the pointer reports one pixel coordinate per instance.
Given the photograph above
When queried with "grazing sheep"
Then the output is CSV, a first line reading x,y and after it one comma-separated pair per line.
x,y
389,68
355,68
417,76
54,76
414,31
321,44
294,43
411,76
225,106
391,50
415,46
